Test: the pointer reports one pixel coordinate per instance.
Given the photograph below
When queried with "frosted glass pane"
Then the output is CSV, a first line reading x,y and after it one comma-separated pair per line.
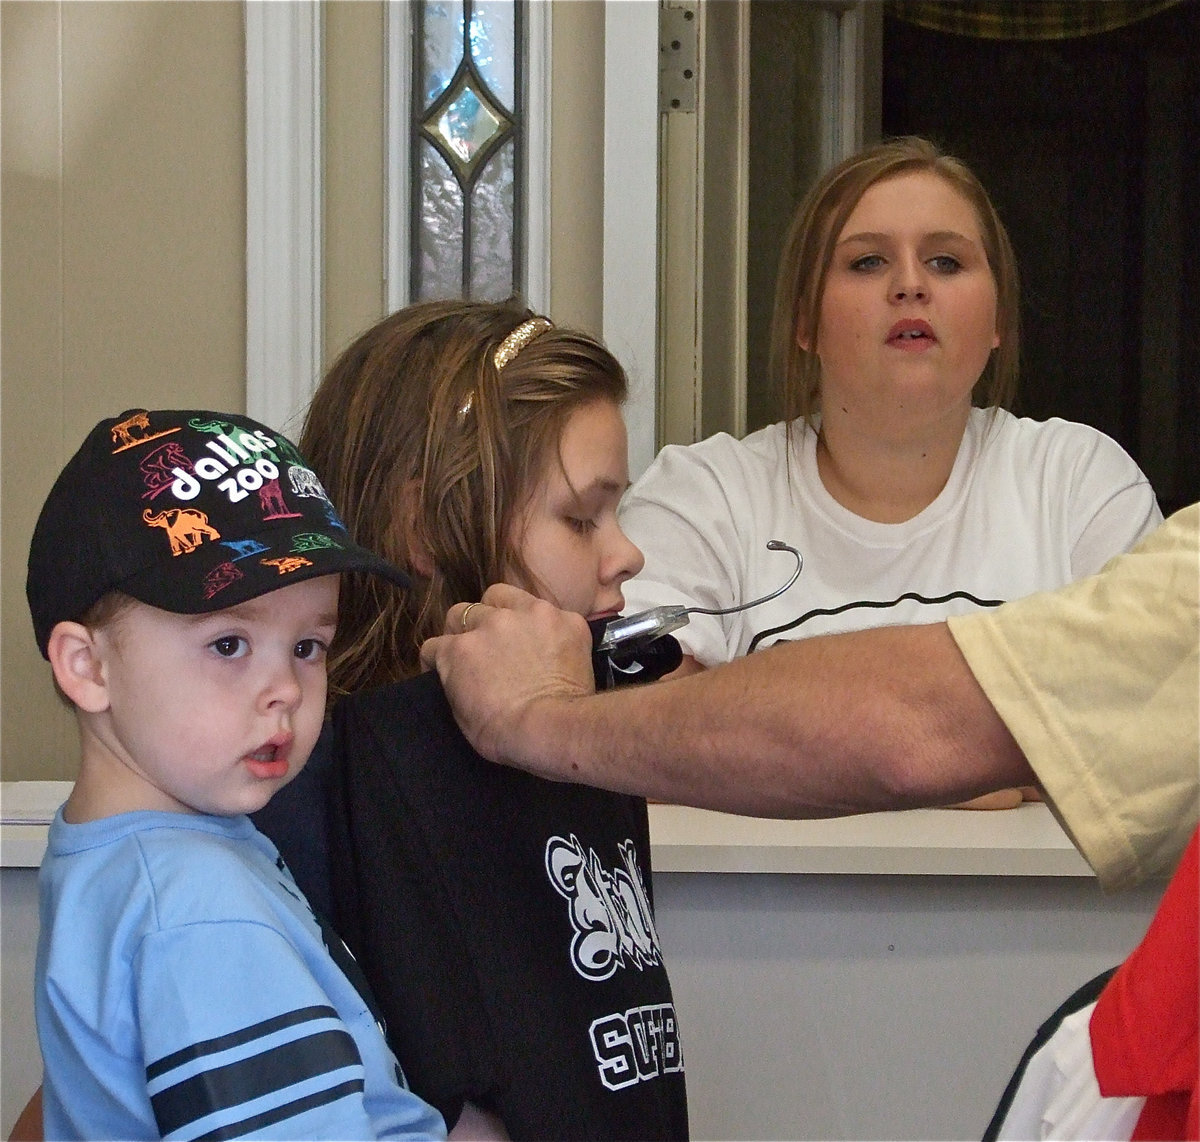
x,y
442,47
492,228
493,31
439,228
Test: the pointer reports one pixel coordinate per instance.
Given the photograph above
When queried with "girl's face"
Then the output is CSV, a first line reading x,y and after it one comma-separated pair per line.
x,y
908,316
568,533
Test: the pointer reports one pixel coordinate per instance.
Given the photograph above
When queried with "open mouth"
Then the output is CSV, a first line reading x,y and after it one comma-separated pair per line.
x,y
911,333
269,760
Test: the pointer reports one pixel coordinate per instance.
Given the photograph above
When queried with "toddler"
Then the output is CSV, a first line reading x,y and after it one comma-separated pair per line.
x,y
183,583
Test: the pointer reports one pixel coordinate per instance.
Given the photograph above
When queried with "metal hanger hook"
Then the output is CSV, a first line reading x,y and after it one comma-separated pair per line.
x,y
772,545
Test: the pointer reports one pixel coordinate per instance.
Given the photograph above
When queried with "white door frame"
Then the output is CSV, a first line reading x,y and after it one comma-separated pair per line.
x,y
703,183
630,270
283,209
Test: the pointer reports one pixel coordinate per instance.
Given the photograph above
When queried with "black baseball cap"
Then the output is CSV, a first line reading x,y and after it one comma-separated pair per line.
x,y
188,510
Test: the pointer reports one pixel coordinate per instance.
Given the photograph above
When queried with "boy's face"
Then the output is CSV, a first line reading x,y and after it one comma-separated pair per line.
x,y
215,713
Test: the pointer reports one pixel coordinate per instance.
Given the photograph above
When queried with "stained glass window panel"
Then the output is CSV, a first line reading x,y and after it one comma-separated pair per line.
x,y
491,232
493,46
443,45
467,147
439,245
467,124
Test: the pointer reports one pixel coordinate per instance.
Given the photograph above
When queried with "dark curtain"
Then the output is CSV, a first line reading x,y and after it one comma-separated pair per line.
x,y
1006,20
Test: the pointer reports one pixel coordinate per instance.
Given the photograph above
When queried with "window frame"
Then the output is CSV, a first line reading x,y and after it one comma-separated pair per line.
x,y
284,192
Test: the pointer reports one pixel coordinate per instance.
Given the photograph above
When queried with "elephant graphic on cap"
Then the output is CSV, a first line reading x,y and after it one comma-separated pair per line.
x,y
186,528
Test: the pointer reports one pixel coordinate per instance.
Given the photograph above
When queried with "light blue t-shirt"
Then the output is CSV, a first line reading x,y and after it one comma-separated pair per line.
x,y
184,989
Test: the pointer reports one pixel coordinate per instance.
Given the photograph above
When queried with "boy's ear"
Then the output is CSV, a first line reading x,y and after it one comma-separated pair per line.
x,y
78,667
414,535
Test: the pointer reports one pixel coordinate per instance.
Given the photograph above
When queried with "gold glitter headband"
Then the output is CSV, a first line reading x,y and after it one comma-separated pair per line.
x,y
519,338
507,350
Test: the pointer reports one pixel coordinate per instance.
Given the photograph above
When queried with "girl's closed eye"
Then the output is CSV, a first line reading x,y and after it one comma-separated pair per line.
x,y
231,646
581,525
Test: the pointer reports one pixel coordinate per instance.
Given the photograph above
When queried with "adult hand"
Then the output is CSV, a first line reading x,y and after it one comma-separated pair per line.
x,y
510,654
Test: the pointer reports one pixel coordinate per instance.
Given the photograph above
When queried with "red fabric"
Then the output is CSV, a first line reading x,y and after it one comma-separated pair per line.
x,y
1144,1027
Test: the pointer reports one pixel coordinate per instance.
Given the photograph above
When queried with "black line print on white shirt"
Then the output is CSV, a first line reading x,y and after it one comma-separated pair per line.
x,y
908,596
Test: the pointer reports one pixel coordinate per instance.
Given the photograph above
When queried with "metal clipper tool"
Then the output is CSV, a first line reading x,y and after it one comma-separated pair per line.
x,y
631,631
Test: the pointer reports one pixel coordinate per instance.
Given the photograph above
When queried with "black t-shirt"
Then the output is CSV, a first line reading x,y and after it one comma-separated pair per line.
x,y
297,821
503,921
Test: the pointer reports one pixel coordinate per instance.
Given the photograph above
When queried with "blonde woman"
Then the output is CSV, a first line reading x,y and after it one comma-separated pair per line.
x,y
897,473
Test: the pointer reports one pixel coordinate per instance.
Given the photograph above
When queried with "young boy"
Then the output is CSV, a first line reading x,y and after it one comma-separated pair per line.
x,y
183,583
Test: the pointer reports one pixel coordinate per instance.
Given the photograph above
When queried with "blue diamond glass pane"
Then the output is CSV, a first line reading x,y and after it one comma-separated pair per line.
x,y
442,49
493,32
467,125
492,228
440,228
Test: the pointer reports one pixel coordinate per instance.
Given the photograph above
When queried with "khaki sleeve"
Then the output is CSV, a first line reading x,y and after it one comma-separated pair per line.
x,y
1100,685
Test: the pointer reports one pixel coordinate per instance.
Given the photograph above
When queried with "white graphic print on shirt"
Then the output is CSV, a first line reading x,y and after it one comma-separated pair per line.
x,y
609,911
614,928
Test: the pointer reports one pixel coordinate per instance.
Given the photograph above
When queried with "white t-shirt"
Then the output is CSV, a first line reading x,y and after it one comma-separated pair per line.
x,y
1029,506
1059,1096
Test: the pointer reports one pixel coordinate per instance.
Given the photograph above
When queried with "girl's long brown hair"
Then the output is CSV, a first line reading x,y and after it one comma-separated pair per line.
x,y
417,436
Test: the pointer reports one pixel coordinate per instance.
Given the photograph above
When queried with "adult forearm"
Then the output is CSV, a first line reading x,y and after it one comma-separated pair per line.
x,y
879,719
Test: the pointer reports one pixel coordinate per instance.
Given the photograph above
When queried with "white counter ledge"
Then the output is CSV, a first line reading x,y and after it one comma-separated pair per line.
x,y
26,809
1026,841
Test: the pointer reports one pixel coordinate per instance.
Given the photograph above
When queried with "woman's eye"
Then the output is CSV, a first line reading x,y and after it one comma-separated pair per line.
x,y
866,263
310,649
581,526
946,264
231,646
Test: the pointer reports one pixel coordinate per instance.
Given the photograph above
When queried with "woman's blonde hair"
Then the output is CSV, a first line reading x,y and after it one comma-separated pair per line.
x,y
808,252
429,450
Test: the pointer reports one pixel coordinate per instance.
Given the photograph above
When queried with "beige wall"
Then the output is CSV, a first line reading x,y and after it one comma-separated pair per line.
x,y
352,251
577,165
123,231
123,275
